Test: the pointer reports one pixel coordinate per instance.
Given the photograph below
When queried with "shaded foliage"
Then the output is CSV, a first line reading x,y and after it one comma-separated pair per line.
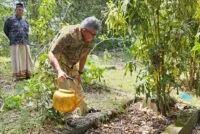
x,y
162,33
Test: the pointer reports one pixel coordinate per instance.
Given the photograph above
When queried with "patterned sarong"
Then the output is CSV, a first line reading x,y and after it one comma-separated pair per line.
x,y
22,65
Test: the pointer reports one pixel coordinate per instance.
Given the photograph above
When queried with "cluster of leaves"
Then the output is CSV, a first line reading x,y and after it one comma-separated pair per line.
x,y
41,19
6,11
13,102
94,70
37,92
162,33
196,55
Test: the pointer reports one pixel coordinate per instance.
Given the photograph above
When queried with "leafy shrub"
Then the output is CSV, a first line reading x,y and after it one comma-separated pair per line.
x,y
94,70
13,102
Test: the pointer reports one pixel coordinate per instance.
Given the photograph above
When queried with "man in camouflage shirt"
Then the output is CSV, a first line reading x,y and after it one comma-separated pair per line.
x,y
71,46
16,29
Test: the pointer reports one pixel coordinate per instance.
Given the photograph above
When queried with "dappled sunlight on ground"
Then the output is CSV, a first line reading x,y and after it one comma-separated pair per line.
x,y
194,101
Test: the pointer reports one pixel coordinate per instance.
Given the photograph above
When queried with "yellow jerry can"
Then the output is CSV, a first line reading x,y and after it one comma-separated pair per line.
x,y
66,100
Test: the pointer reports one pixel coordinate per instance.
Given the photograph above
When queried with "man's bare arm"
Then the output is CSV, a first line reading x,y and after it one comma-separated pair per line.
x,y
82,62
54,62
56,66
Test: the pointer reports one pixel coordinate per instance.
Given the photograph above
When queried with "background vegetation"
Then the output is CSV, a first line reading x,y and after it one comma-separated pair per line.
x,y
159,41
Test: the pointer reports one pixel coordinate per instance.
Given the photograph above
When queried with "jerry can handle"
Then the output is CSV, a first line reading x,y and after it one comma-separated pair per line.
x,y
68,79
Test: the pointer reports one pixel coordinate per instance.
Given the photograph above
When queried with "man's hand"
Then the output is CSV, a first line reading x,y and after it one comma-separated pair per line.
x,y
62,75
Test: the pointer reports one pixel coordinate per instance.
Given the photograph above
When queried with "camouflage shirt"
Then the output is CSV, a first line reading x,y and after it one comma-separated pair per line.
x,y
68,46
16,29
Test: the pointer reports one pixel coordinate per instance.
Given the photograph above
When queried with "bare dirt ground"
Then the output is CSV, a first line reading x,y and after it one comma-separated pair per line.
x,y
196,129
136,120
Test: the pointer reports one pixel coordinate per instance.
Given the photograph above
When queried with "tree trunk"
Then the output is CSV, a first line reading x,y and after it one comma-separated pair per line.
x,y
160,67
191,74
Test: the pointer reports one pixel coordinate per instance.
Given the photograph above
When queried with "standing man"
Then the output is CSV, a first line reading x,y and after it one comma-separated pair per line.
x,y
69,51
16,29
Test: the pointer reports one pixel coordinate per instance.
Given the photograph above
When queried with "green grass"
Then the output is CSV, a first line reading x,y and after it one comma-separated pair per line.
x,y
117,79
119,90
20,121
5,68
4,59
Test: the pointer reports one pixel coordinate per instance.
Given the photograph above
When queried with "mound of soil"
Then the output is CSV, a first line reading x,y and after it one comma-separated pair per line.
x,y
136,120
